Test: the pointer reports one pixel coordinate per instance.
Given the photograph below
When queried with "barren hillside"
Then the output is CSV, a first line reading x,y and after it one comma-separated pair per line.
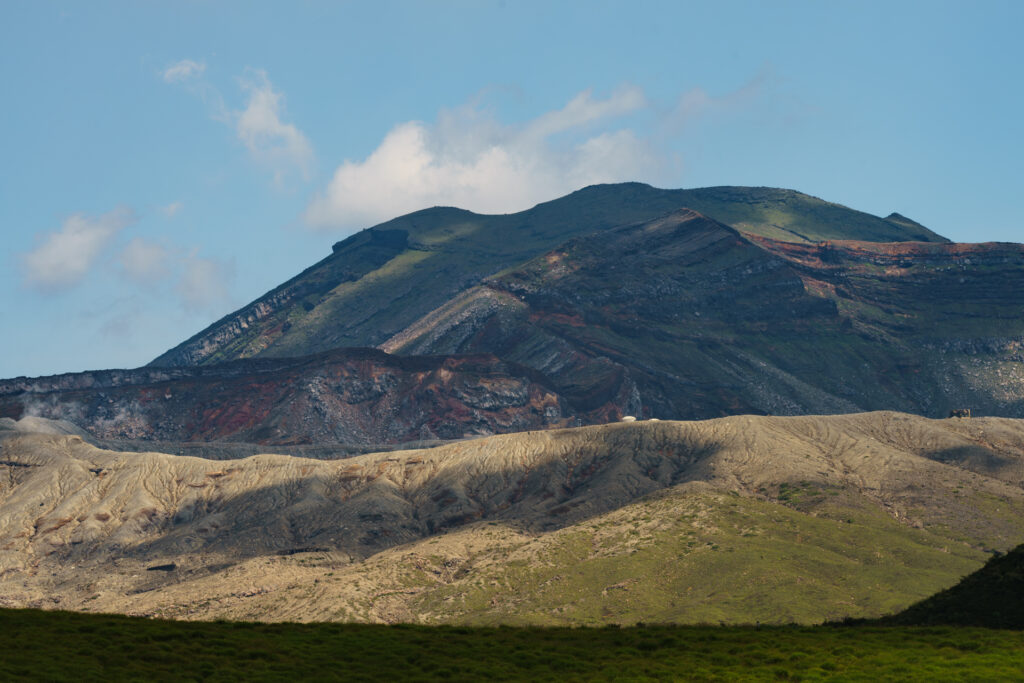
x,y
735,519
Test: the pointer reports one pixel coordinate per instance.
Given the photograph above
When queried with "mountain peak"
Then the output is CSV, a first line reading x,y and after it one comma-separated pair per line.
x,y
379,281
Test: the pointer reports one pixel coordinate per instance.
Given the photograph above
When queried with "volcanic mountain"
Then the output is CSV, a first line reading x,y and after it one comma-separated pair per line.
x,y
683,316
615,300
521,330
379,281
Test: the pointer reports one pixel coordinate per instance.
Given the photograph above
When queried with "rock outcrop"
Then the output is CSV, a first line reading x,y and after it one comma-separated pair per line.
x,y
684,317
351,396
680,317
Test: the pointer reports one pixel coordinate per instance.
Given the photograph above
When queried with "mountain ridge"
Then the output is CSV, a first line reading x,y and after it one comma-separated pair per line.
x,y
710,320
677,317
400,265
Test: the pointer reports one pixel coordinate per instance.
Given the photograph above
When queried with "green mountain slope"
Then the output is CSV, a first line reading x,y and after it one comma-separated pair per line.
x,y
381,280
992,596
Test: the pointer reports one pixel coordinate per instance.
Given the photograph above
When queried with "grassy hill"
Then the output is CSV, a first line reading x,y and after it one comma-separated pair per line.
x,y
992,596
737,520
381,280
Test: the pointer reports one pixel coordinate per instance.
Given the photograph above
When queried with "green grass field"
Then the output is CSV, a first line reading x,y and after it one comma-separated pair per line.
x,y
707,559
59,646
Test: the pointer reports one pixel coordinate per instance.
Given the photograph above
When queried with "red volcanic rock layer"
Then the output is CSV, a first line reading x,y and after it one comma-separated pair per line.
x,y
827,254
352,396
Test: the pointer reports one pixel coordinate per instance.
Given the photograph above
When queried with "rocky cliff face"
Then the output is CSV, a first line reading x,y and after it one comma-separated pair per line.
x,y
686,317
252,329
354,396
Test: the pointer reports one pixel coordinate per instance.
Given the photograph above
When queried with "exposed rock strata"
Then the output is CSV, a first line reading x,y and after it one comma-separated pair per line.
x,y
353,396
381,280
685,317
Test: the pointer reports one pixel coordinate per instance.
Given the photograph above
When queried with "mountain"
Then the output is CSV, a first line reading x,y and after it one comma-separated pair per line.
x,y
685,317
739,519
383,279
352,396
676,317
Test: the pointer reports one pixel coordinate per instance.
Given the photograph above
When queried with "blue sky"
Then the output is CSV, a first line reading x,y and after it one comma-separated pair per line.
x,y
166,162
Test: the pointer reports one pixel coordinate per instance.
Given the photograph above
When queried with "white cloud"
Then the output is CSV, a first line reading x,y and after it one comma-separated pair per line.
x,y
146,263
271,141
280,145
583,109
66,256
204,284
171,209
184,70
470,160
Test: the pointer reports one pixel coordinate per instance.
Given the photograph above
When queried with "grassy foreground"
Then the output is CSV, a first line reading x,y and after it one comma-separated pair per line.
x,y
70,646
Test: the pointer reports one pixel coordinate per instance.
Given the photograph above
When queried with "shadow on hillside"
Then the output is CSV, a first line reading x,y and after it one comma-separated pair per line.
x,y
534,485
982,460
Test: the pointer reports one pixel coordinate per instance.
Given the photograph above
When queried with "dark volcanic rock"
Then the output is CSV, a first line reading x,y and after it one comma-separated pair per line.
x,y
587,309
686,318
352,396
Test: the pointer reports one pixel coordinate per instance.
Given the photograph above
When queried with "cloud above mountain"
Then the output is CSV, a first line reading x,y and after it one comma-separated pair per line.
x,y
260,125
469,159
466,157
171,210
89,246
67,255
144,262
272,142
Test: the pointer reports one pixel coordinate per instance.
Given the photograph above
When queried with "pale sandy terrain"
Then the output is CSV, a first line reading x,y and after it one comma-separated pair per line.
x,y
567,526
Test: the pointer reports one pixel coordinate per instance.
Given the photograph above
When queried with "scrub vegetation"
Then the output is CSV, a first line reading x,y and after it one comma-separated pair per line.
x,y
62,646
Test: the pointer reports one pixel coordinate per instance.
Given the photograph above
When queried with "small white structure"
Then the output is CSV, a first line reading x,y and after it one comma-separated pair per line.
x,y
628,418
